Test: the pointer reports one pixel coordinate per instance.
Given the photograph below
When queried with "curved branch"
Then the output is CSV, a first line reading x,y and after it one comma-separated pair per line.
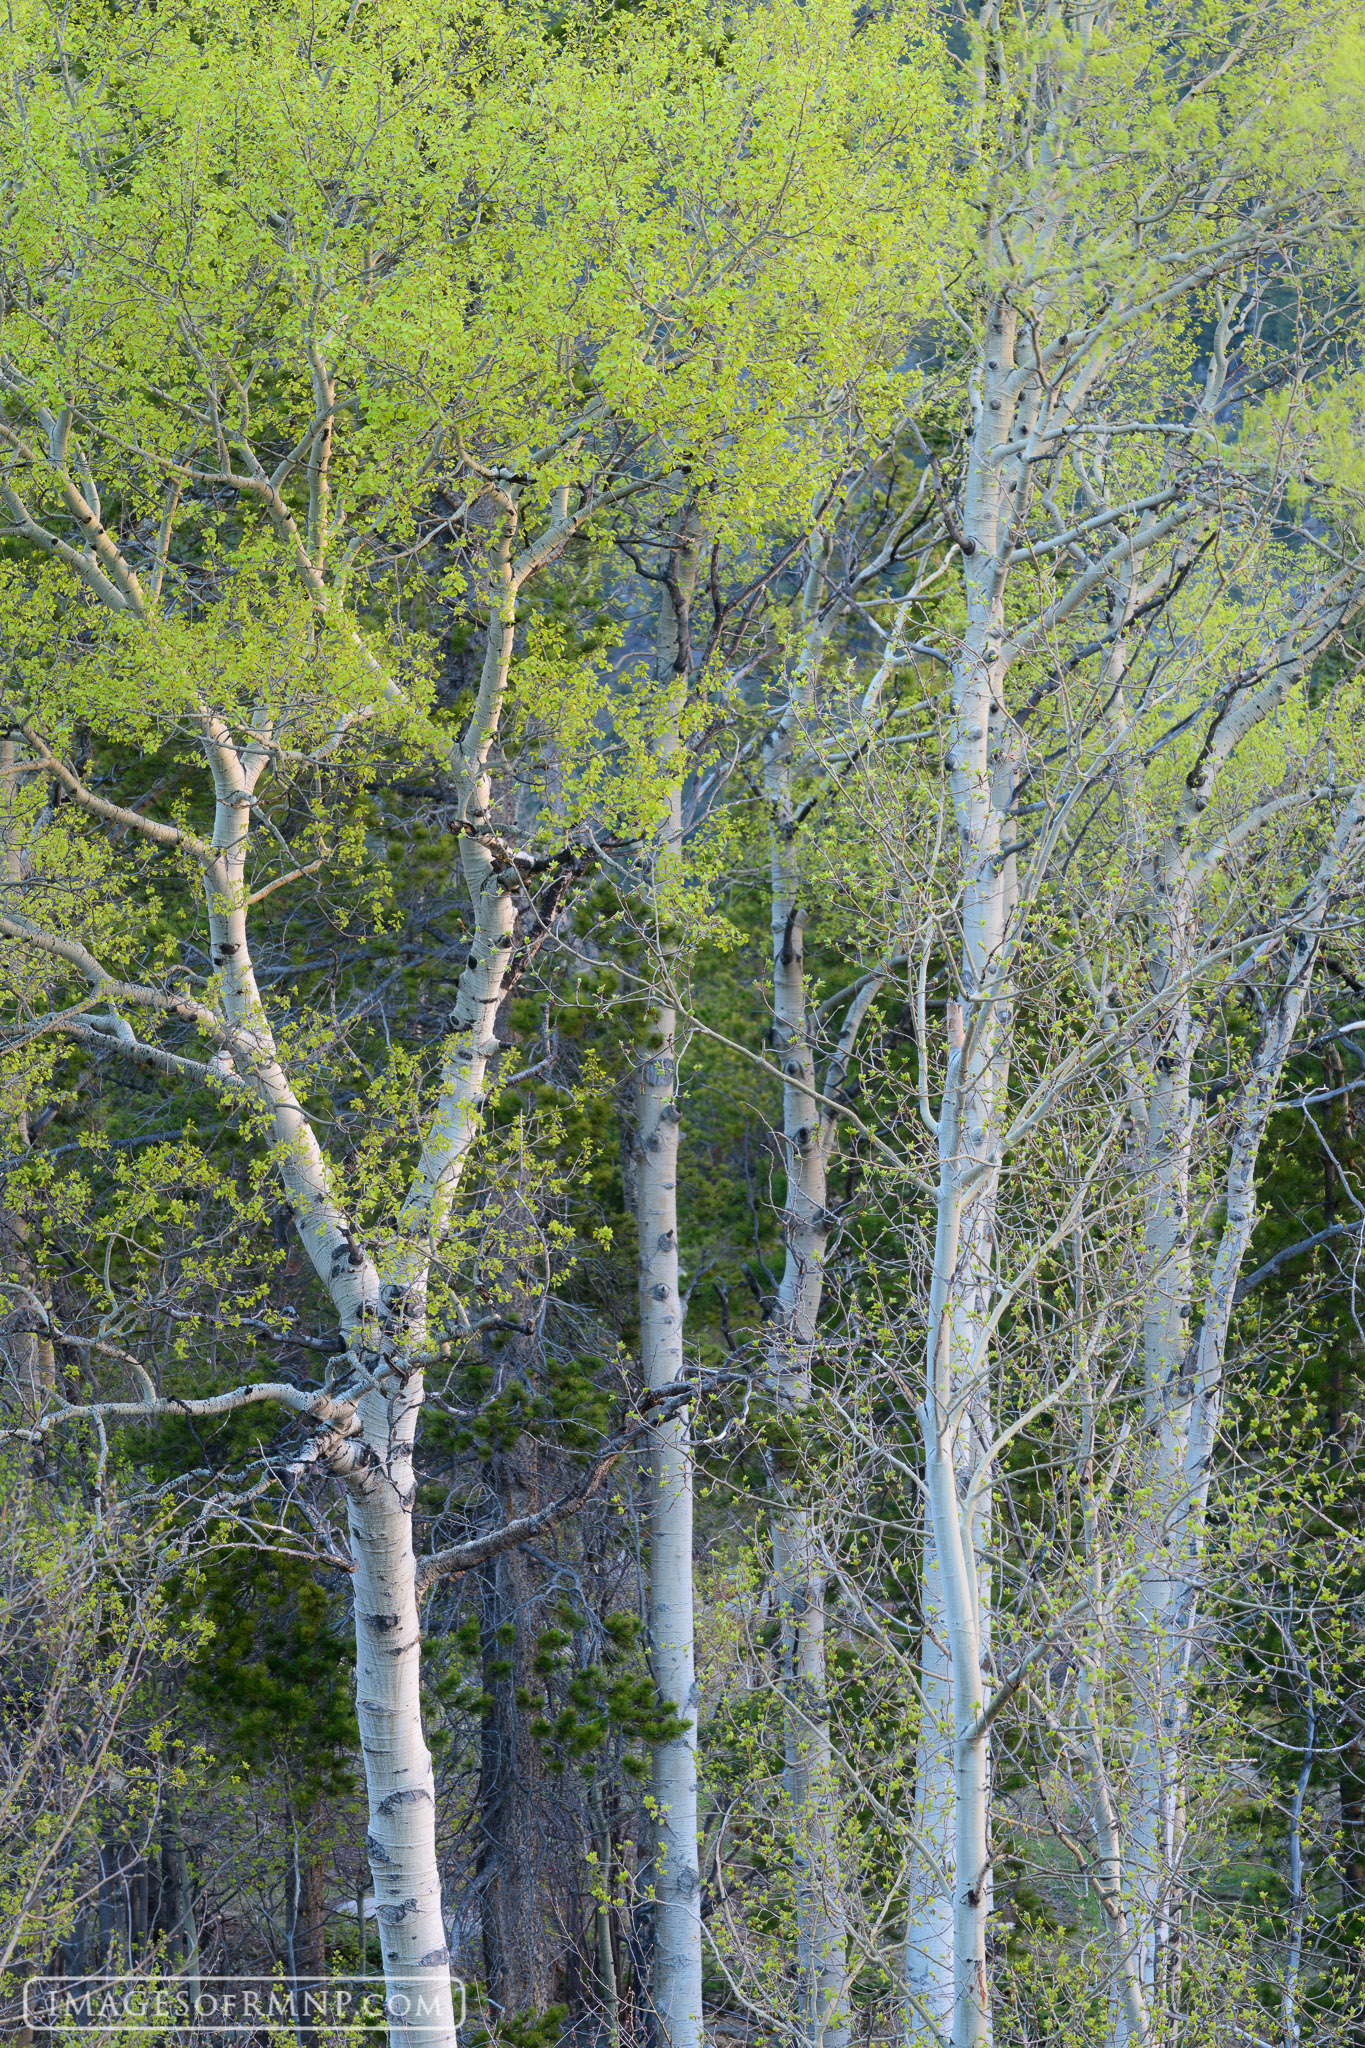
x,y
111,990
173,1066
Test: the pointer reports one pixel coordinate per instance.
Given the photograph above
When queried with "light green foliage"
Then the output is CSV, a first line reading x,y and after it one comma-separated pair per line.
x,y
492,239
88,1624
314,315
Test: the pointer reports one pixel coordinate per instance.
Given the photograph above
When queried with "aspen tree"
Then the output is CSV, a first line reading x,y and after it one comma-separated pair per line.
x,y
675,1877
1078,271
242,378
805,749
1188,869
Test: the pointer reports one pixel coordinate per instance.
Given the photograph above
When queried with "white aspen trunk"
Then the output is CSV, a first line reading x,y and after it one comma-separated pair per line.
x,y
676,1971
385,1323
953,1756
1130,2027
954,1412
371,1452
1182,1408
1184,1411
1158,1660
928,1978
472,1045
27,1359
798,1575
368,1446
400,1838
1161,1113
1169,1128
1336,874
1129,2012
375,1462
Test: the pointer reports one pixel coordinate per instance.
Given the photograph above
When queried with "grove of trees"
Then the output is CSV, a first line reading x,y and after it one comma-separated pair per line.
x,y
682,1014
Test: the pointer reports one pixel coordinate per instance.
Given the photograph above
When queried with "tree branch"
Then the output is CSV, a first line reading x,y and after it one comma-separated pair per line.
x,y
114,814
1294,1251
462,1557
138,993
173,1066
316,1406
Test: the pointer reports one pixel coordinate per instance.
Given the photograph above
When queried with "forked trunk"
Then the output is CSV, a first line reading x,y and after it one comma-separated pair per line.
x,y
1185,1420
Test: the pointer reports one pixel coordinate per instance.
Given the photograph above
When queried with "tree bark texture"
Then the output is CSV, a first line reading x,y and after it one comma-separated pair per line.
x,y
676,1927
512,1866
953,1758
1183,1376
798,1573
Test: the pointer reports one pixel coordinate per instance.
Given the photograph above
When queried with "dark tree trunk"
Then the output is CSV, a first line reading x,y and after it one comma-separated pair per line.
x,y
1352,1786
175,1912
304,1937
519,1952
310,1940
139,1903
122,1907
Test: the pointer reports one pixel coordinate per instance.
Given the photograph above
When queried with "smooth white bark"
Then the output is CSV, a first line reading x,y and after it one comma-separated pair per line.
x,y
928,1965
375,1466
491,891
952,1762
367,1433
1182,1395
676,1986
808,1137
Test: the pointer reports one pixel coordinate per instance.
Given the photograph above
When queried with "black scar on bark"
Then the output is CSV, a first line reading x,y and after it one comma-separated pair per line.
x,y
410,1795
394,1916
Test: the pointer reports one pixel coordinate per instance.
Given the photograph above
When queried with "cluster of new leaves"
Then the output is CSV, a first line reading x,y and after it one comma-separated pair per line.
x,y
558,553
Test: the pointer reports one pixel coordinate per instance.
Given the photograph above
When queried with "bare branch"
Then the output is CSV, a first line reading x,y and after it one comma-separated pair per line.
x,y
462,1557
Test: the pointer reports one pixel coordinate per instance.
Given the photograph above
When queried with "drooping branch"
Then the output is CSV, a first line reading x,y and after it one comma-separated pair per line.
x,y
48,763
113,990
